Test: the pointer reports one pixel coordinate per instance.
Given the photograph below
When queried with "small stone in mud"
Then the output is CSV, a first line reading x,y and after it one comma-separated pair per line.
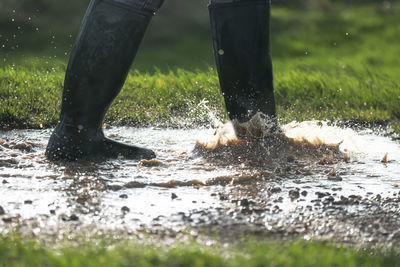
x,y
275,189
7,220
125,209
328,200
304,193
8,162
151,163
81,200
52,212
2,212
335,178
351,200
73,217
22,147
66,218
124,196
294,194
244,202
135,184
222,197
28,202
321,195
174,196
5,181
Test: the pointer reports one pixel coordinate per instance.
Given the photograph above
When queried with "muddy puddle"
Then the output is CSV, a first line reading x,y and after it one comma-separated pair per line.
x,y
346,191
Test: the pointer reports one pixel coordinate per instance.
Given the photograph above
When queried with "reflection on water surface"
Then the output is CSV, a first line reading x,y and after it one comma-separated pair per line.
x,y
187,188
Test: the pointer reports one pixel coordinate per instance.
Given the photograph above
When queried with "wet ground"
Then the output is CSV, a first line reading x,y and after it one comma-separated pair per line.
x,y
345,189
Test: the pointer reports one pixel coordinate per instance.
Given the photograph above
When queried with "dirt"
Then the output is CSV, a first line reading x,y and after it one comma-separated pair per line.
x,y
272,186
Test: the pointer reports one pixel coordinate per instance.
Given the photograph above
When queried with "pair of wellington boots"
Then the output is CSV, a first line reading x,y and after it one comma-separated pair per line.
x,y
103,53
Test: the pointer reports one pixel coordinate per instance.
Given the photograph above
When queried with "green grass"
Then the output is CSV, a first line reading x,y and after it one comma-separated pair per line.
x,y
32,99
15,251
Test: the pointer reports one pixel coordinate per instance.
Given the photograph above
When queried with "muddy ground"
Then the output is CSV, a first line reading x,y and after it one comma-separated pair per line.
x,y
344,189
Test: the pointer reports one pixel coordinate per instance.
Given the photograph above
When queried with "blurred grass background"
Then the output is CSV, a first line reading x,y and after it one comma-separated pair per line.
x,y
178,36
330,32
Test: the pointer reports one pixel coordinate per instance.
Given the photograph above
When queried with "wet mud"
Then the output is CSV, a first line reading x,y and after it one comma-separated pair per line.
x,y
310,181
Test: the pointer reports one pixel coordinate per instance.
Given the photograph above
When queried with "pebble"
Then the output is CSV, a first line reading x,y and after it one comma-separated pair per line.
x,y
124,196
174,196
22,147
125,209
294,194
66,218
244,202
321,194
275,189
222,197
328,200
114,187
8,162
135,184
335,178
73,217
28,201
7,220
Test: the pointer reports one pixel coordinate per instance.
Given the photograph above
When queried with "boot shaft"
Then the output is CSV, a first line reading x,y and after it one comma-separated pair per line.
x,y
241,40
106,45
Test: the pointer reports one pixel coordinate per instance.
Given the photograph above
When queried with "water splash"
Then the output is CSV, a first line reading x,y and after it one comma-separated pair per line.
x,y
261,142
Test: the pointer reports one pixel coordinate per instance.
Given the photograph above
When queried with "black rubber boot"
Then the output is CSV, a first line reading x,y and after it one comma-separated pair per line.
x,y
104,50
240,31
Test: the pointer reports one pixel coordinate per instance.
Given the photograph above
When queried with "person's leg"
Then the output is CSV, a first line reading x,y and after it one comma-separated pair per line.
x,y
102,55
240,31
